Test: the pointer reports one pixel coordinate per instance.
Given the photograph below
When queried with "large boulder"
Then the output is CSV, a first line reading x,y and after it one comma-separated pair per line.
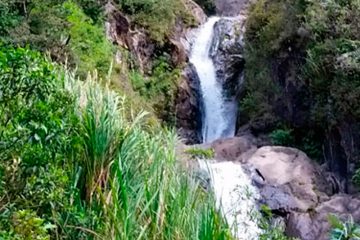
x,y
314,225
290,181
300,191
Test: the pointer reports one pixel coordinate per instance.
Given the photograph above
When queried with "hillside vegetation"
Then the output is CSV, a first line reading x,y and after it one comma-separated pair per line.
x,y
77,163
302,69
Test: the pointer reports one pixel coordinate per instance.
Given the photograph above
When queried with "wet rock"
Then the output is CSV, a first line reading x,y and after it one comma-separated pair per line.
x,y
189,106
227,54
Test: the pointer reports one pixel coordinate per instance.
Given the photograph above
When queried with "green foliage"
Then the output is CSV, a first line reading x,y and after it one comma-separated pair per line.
x,y
28,226
333,62
282,137
32,108
88,43
270,23
201,153
37,129
158,17
356,177
309,46
159,88
93,169
38,23
270,232
8,17
343,230
93,8
61,28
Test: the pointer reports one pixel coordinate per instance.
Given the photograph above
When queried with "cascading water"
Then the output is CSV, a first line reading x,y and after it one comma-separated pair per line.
x,y
235,195
219,114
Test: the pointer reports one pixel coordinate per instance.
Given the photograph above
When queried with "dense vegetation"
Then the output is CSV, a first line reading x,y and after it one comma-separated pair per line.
x,y
304,53
158,17
79,160
60,28
76,163
73,32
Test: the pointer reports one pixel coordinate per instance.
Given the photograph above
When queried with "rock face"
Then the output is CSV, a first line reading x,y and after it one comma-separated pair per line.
x,y
188,107
231,7
233,149
121,31
227,53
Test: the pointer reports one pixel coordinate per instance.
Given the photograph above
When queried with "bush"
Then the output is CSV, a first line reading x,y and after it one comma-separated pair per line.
x,y
90,48
308,49
62,28
91,169
158,17
38,140
159,88
282,137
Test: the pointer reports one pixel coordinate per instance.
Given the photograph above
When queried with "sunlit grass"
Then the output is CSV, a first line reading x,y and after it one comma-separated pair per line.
x,y
132,174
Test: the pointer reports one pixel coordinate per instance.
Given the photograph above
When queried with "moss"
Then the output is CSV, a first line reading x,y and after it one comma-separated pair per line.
x,y
201,153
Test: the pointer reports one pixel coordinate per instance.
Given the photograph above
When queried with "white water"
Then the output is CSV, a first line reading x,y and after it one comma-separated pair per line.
x,y
219,115
235,197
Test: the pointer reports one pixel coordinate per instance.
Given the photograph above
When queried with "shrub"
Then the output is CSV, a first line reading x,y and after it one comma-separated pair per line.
x,y
158,17
9,17
282,137
159,88
35,109
271,231
90,48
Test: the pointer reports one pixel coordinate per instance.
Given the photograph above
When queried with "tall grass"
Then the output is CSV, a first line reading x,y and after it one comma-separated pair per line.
x,y
132,173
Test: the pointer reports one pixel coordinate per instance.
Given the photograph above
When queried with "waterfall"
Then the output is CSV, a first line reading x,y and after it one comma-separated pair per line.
x,y
219,114
232,187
